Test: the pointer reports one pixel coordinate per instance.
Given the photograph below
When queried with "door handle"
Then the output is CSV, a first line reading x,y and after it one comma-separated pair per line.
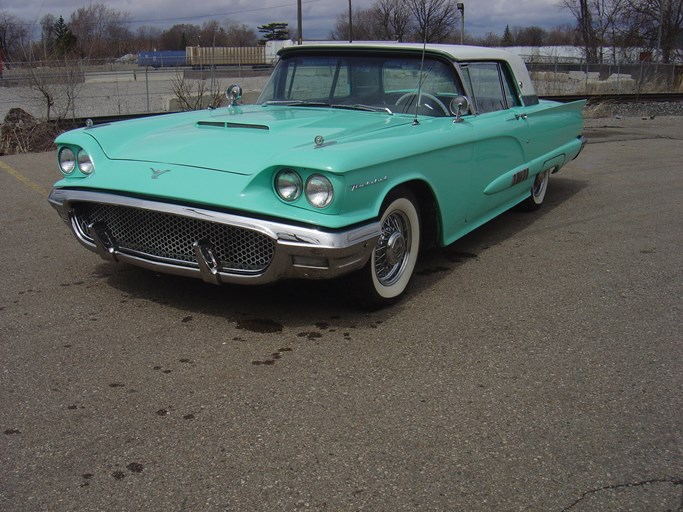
x,y
521,116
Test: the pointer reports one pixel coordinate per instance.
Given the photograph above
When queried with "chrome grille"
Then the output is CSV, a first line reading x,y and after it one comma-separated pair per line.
x,y
166,237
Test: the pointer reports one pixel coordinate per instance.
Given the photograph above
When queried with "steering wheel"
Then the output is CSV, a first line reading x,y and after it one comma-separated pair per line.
x,y
408,96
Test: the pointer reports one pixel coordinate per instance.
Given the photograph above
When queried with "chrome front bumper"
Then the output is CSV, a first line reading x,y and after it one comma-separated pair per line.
x,y
300,252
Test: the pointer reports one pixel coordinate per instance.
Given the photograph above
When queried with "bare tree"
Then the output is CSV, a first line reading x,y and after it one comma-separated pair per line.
x,y
364,27
212,34
436,19
56,87
47,35
655,24
584,19
178,37
101,31
239,34
195,94
490,39
392,19
562,35
531,36
402,20
598,22
14,37
147,38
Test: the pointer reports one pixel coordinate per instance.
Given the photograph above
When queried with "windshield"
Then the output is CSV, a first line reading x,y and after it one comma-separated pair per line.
x,y
365,81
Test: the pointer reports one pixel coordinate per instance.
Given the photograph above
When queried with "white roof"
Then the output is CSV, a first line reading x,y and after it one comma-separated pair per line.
x,y
458,53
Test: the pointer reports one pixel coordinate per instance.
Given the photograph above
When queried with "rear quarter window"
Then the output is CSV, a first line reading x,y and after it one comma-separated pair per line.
x,y
491,86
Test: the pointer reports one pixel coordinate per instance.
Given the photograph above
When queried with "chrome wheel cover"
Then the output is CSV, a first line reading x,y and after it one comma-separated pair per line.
x,y
393,248
540,186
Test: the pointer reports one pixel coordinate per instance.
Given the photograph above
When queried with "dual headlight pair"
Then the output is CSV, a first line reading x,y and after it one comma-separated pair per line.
x,y
70,160
318,189
288,183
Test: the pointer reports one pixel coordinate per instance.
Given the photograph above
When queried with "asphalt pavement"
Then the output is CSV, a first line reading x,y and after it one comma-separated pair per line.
x,y
536,364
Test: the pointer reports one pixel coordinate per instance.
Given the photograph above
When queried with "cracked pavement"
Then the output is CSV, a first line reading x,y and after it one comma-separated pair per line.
x,y
536,364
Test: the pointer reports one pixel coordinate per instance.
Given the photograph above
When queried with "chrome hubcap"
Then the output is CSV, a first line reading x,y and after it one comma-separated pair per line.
x,y
396,248
393,248
540,183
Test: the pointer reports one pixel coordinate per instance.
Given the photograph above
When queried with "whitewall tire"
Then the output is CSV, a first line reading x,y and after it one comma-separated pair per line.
x,y
387,274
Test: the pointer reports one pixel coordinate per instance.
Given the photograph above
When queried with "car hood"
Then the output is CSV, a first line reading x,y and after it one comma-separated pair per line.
x,y
239,140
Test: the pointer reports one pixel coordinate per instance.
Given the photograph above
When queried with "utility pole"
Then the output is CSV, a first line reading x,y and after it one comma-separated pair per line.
x,y
662,7
298,22
350,24
461,8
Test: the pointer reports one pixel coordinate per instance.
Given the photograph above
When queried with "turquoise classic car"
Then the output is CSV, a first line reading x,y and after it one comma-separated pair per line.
x,y
354,157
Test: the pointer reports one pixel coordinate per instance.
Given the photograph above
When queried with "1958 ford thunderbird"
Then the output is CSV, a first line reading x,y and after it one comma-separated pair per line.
x,y
354,157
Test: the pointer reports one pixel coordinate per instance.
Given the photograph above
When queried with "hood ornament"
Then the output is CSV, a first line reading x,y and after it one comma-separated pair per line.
x,y
319,140
158,172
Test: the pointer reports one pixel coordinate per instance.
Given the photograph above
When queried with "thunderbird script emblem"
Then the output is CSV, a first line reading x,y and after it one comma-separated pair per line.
x,y
158,172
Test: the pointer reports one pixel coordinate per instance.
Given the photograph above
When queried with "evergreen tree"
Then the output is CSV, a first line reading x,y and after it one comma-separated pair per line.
x,y
65,41
507,39
275,31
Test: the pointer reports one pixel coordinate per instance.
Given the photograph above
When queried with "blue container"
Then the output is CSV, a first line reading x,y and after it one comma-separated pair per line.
x,y
162,59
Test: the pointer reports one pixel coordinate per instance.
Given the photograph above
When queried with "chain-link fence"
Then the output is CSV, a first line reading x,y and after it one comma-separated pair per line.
x,y
576,78
80,89
99,88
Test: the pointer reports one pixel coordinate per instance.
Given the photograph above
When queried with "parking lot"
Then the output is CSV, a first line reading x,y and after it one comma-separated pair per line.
x,y
536,364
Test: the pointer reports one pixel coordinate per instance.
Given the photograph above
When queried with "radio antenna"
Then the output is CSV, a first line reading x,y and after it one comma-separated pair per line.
x,y
419,83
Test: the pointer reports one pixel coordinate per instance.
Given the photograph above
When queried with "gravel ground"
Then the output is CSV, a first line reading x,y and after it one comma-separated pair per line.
x,y
643,109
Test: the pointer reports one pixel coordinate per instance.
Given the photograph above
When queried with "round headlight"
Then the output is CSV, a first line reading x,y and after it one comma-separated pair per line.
x,y
288,185
319,191
85,164
67,160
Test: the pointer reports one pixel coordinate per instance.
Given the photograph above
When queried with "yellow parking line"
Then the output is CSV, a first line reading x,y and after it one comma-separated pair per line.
x,y
26,181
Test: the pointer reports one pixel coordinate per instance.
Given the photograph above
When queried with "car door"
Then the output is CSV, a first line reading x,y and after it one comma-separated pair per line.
x,y
502,140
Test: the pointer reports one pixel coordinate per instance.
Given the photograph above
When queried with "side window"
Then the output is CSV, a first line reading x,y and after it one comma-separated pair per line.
x,y
510,94
490,84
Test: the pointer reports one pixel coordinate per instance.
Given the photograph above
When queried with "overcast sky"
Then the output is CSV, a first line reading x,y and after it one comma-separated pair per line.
x,y
481,16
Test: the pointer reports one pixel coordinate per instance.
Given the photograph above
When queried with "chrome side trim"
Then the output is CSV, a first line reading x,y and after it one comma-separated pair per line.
x,y
334,253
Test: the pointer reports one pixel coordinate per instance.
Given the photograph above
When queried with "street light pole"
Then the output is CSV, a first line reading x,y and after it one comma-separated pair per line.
x,y
461,8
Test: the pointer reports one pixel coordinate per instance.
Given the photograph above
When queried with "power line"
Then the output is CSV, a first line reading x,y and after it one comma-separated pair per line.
x,y
194,17
256,9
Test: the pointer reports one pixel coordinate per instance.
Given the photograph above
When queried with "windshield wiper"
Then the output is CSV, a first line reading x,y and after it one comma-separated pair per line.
x,y
302,103
367,108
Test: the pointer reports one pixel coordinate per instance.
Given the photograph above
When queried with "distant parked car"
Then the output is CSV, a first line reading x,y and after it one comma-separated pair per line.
x,y
355,157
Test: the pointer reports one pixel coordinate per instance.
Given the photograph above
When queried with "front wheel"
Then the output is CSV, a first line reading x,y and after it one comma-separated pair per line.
x,y
386,276
538,190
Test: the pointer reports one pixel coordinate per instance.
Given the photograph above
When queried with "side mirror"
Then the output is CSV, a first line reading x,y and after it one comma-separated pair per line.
x,y
459,106
234,94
